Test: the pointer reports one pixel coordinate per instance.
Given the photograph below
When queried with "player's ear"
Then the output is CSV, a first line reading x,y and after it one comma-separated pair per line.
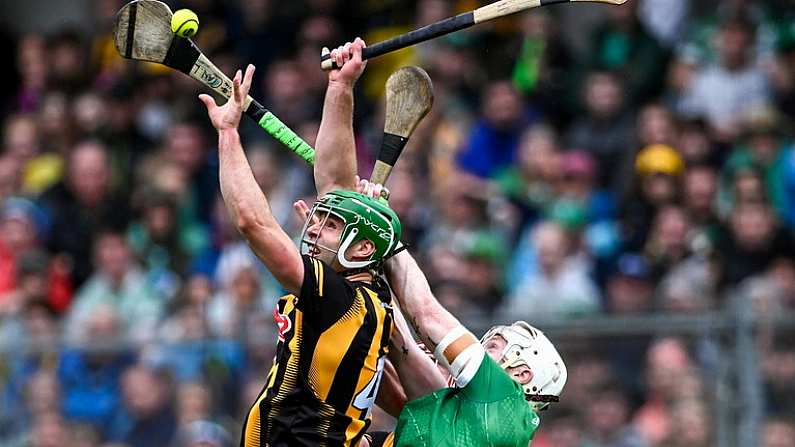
x,y
522,374
362,249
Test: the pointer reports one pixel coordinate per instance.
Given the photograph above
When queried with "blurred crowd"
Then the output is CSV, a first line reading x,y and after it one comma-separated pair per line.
x,y
579,161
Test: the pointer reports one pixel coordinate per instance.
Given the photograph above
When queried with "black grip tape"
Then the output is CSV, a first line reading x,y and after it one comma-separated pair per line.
x,y
182,54
256,111
391,147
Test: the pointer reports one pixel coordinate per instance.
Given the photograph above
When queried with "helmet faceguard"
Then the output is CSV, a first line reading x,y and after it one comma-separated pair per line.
x,y
362,218
527,345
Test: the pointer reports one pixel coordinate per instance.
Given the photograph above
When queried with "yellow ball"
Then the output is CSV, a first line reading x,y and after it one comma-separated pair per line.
x,y
185,23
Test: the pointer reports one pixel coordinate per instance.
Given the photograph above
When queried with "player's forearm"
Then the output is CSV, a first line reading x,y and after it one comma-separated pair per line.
x,y
417,372
335,148
431,321
242,195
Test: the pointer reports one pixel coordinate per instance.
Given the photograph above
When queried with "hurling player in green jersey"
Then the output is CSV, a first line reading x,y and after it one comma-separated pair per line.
x,y
499,384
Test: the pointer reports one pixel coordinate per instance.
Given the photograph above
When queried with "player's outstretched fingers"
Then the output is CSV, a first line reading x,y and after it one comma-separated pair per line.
x,y
301,210
208,101
246,85
236,87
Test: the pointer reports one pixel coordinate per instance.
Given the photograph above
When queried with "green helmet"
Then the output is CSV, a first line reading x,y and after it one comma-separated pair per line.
x,y
363,218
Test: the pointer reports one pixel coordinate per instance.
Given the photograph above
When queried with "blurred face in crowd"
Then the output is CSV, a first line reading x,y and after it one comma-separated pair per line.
x,y
607,414
144,392
563,432
32,61
89,112
659,189
691,418
112,255
667,361
552,245
185,144
264,166
700,188
67,59
503,106
9,176
21,138
748,186
603,96
245,286
160,221
17,232
194,402
778,433
656,126
670,230
89,173
752,225
734,42
764,147
49,430
285,83
694,143
42,329
43,393
539,155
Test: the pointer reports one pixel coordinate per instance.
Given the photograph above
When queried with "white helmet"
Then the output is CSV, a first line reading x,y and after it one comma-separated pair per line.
x,y
527,345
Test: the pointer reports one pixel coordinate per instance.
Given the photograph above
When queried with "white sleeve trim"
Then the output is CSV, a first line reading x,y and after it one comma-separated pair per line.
x,y
467,364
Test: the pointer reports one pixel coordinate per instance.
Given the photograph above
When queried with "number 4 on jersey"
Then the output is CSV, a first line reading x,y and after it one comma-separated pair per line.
x,y
366,397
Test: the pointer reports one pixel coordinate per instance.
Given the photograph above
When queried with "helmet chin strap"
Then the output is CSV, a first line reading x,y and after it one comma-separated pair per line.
x,y
344,247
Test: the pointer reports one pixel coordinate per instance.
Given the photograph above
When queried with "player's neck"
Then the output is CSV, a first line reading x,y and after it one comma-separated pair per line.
x,y
360,277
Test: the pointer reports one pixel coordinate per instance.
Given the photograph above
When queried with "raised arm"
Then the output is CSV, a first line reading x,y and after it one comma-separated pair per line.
x,y
245,201
431,321
335,148
417,372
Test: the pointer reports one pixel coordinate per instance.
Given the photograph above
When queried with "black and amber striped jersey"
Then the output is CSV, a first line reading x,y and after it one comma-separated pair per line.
x,y
333,339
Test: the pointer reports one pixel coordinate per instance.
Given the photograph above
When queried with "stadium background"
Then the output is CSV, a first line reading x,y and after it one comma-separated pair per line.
x,y
622,177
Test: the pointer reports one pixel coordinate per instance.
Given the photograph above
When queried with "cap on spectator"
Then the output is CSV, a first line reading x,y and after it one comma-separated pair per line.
x,y
578,163
486,246
632,265
569,214
763,121
659,159
18,208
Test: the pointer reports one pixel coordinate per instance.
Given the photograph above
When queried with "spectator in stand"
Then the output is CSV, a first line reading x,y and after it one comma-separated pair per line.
x,y
80,205
493,142
751,242
146,417
561,287
623,45
778,432
607,419
657,172
726,91
118,283
101,354
606,130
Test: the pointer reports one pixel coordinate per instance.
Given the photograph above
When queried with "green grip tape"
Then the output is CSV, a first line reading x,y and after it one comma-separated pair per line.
x,y
286,136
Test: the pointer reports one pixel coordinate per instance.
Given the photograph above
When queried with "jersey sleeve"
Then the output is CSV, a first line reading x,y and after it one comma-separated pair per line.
x,y
325,295
490,383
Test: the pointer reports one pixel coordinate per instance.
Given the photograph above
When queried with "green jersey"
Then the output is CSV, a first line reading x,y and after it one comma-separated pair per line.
x,y
490,411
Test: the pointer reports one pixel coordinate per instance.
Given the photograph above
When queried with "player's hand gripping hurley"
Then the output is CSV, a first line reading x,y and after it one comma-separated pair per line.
x,y
143,32
483,14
